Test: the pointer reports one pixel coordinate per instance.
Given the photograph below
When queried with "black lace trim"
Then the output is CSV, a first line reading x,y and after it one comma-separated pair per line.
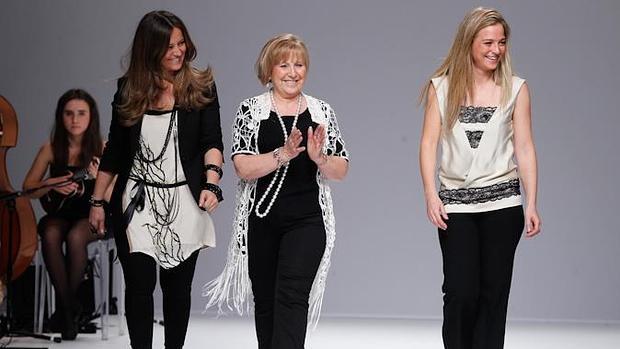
x,y
480,195
473,115
474,138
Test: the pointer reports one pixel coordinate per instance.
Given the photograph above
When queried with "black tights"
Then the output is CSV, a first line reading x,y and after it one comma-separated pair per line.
x,y
65,270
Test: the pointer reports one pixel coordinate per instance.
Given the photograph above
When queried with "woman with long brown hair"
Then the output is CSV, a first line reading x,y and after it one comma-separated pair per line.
x,y
481,113
75,144
165,146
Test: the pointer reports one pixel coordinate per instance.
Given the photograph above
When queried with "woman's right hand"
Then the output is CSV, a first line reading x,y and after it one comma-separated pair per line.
x,y
96,219
436,212
64,189
291,147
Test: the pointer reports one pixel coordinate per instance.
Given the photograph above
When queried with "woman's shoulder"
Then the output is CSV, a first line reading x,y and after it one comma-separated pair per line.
x,y
46,152
262,98
517,81
315,100
46,148
440,82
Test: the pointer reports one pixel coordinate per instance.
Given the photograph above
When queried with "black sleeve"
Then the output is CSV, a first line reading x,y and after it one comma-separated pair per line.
x,y
110,159
211,131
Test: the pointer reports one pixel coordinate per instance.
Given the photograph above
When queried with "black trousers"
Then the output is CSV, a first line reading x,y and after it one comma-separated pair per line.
x,y
478,252
140,273
284,255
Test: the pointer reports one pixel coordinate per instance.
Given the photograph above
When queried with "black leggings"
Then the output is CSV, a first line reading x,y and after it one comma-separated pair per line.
x,y
176,284
478,252
284,255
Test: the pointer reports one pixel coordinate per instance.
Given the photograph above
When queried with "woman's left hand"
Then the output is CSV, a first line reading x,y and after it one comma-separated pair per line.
x,y
532,222
316,141
208,201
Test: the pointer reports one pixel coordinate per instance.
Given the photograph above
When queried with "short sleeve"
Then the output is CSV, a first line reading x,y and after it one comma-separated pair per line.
x,y
335,142
244,132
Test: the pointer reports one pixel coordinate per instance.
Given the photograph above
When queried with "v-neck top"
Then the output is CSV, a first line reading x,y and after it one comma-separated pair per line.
x,y
477,171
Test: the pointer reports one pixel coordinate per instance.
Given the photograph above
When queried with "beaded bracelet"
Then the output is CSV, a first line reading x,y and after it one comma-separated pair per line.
x,y
215,189
96,202
278,157
215,168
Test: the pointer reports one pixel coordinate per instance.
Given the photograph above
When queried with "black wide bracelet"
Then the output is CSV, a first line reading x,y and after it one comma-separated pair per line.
x,y
215,168
215,189
96,203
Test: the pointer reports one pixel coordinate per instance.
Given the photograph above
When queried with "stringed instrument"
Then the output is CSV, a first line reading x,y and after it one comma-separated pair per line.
x,y
18,223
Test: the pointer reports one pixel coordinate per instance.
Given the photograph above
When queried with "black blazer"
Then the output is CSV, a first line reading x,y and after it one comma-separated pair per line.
x,y
199,130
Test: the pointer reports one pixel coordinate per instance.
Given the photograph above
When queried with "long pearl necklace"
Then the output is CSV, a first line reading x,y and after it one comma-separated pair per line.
x,y
284,168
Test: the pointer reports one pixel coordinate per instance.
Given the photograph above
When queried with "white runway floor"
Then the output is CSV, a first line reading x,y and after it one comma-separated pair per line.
x,y
332,333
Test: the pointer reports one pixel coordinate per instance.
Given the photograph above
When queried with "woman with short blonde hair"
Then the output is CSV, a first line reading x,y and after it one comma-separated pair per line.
x,y
286,145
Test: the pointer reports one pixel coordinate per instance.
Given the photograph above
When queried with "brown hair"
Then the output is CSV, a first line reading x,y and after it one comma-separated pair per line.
x,y
59,137
277,49
145,76
457,66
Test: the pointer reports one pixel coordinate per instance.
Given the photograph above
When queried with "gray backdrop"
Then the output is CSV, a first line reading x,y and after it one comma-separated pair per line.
x,y
369,59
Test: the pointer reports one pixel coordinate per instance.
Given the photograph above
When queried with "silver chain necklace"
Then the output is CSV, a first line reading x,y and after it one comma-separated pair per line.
x,y
285,167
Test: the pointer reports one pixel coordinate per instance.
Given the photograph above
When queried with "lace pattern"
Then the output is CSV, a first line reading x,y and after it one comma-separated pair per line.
x,y
474,138
473,114
231,290
480,195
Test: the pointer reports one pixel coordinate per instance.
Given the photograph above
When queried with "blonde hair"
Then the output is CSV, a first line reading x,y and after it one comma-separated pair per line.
x,y
457,66
277,49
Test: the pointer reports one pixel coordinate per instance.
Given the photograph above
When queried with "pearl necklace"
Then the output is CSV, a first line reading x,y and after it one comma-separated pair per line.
x,y
285,169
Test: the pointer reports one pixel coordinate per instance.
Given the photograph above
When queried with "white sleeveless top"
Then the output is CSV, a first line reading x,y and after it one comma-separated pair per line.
x,y
477,172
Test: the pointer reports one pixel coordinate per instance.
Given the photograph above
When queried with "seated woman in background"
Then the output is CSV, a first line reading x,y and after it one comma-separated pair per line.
x,y
75,145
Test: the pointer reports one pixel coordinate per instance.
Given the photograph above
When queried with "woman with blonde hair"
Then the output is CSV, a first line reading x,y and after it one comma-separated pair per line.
x,y
286,145
165,147
481,114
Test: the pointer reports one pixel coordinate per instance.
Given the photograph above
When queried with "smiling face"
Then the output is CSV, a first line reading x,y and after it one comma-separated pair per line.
x,y
288,76
488,48
173,60
76,117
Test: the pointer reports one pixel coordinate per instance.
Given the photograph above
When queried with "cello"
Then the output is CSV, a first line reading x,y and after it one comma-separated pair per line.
x,y
17,223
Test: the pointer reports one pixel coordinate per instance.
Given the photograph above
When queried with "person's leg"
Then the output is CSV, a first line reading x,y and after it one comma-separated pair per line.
x,y
263,241
78,238
140,274
461,264
176,286
301,250
53,232
500,232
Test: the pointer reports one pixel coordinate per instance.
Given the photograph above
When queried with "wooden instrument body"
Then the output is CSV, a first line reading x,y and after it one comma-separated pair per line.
x,y
17,223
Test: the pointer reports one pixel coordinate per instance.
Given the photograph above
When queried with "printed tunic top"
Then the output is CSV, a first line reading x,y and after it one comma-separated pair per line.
x,y
167,224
